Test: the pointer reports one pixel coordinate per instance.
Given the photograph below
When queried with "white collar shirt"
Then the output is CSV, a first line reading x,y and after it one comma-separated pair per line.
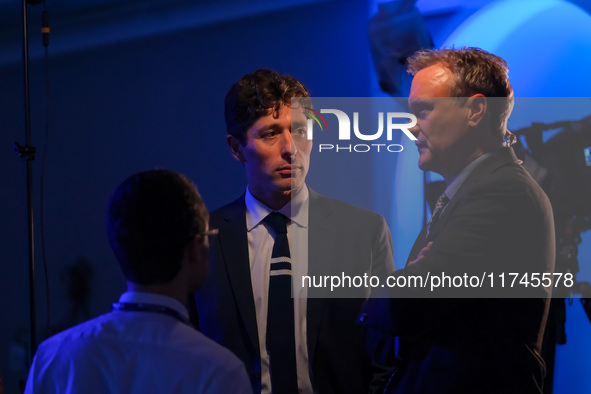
x,y
260,247
136,352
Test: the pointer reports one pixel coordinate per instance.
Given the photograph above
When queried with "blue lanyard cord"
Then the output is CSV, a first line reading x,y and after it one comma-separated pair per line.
x,y
154,308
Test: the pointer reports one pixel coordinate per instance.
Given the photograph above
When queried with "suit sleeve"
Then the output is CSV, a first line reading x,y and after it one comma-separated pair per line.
x,y
382,254
382,266
506,226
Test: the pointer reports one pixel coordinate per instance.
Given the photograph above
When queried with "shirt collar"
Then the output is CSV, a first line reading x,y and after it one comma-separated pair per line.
x,y
296,209
455,184
157,299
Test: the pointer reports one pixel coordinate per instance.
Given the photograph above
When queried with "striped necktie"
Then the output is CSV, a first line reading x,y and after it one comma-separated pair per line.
x,y
280,314
441,203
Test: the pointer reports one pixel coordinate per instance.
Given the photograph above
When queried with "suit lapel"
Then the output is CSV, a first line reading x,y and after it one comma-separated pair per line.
x,y
498,159
419,244
234,244
320,239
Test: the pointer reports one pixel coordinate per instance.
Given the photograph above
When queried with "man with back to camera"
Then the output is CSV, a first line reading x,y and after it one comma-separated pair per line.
x,y
288,345
492,217
157,225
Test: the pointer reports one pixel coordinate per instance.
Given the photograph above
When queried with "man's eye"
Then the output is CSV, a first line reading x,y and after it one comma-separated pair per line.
x,y
269,134
421,113
299,134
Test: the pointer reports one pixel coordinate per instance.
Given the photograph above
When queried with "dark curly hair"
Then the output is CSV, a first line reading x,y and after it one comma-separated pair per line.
x,y
259,94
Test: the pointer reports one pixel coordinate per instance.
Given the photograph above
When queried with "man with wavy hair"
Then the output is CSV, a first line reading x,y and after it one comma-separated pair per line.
x,y
289,345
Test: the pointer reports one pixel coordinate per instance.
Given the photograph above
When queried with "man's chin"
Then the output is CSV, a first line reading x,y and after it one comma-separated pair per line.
x,y
285,187
297,185
425,164
293,184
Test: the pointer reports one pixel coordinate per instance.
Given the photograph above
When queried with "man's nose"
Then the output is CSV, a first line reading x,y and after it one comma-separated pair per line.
x,y
415,130
288,146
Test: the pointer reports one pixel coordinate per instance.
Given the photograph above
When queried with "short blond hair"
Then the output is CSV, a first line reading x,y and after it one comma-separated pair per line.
x,y
475,71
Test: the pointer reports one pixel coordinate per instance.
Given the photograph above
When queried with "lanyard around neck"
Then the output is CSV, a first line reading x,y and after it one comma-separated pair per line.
x,y
154,308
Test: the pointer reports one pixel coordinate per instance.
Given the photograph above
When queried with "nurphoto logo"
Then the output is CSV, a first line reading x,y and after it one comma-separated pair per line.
x,y
395,122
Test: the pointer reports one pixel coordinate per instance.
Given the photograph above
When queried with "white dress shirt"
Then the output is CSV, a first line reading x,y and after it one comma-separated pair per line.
x,y
136,352
260,248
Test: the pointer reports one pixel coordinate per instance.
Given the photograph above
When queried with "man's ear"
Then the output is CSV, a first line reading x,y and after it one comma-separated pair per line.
x,y
235,147
477,107
195,261
196,248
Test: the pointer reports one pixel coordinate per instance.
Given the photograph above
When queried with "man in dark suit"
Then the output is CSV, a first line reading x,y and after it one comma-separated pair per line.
x,y
492,219
321,347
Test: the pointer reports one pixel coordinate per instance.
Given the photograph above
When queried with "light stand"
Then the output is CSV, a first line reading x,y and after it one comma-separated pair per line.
x,y
27,152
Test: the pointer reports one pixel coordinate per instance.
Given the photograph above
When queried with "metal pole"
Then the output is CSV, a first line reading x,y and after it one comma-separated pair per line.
x,y
28,153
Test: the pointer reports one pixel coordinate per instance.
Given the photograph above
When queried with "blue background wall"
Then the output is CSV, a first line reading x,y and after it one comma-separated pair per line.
x,y
142,86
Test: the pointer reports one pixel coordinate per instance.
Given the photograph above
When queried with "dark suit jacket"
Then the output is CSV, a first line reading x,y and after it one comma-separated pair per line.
x,y
341,238
499,220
